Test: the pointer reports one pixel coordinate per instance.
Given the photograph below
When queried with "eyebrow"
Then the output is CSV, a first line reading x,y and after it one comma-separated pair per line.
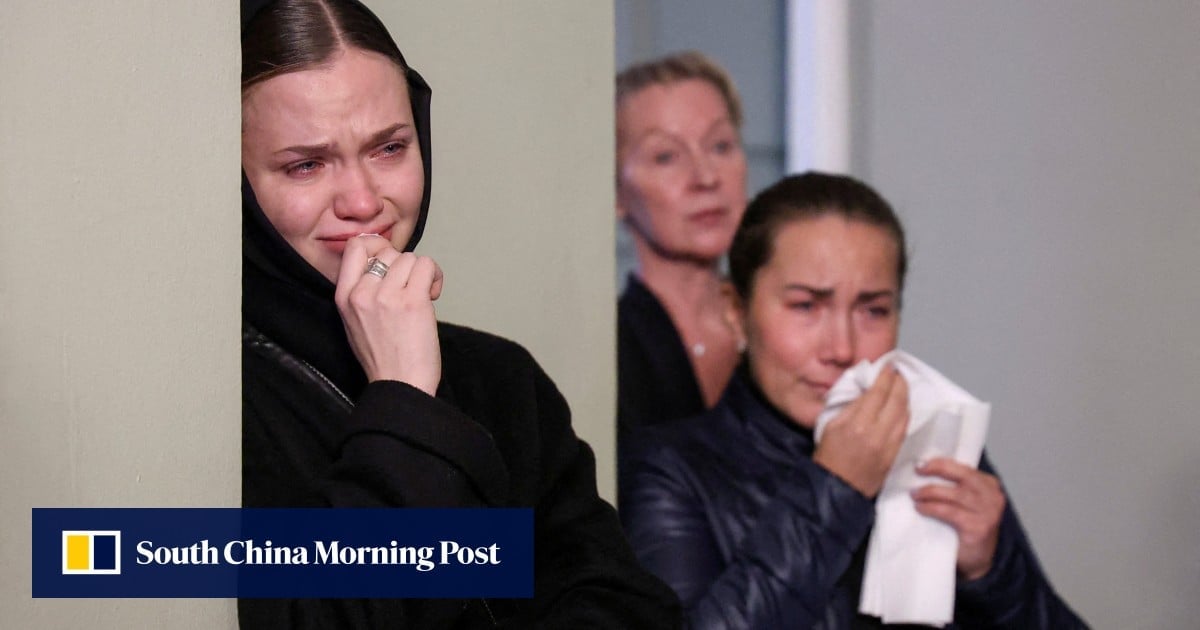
x,y
384,134
823,293
655,130
377,137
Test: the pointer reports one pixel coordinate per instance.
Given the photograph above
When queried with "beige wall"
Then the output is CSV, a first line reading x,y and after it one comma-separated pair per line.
x,y
119,278
119,253
521,217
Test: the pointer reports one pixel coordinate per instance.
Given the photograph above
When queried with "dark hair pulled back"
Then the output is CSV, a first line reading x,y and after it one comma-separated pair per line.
x,y
806,196
290,35
282,36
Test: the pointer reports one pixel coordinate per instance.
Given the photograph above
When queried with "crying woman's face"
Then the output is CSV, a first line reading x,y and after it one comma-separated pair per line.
x,y
331,152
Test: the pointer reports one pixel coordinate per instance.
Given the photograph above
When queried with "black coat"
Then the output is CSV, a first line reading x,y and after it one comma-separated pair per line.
x,y
731,511
655,379
497,434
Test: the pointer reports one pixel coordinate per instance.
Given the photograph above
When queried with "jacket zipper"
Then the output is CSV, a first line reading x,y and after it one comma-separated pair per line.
x,y
328,382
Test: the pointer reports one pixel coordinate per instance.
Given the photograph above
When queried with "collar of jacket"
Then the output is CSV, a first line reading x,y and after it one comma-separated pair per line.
x,y
772,432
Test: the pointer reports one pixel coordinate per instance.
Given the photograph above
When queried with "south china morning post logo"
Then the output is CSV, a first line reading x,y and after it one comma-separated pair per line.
x,y
90,552
251,552
318,552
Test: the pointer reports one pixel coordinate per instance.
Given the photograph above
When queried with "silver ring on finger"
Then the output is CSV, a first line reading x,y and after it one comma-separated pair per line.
x,y
376,267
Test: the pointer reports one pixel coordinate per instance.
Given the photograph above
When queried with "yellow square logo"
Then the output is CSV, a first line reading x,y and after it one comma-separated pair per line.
x,y
91,552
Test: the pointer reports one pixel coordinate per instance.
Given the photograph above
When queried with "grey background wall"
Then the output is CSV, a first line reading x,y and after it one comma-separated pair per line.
x,y
120,247
1046,160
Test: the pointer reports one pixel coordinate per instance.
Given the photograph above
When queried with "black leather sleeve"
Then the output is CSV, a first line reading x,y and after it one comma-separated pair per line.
x,y
787,565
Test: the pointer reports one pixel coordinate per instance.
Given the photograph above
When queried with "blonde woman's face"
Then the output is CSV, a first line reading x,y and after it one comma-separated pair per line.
x,y
681,171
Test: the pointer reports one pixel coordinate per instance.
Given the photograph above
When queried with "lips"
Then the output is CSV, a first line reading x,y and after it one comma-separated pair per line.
x,y
820,387
337,242
709,215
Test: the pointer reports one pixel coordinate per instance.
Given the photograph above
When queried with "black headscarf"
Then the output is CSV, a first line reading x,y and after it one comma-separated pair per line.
x,y
286,298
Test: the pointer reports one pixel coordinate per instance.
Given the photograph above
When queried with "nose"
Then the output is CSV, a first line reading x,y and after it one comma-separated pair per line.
x,y
357,196
704,170
837,346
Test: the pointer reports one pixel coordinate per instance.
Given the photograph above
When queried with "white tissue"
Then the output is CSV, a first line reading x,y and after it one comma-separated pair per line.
x,y
909,575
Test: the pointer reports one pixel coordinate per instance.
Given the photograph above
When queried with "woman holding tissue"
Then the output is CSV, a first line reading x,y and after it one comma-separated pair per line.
x,y
752,522
354,395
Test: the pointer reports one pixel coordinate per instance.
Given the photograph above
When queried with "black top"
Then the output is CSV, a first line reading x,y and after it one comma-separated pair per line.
x,y
498,433
731,511
655,379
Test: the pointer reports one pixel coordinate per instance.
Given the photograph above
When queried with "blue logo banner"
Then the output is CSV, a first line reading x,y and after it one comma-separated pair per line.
x,y
230,552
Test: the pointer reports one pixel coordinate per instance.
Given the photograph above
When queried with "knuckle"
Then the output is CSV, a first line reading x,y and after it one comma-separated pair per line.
x,y
360,300
387,300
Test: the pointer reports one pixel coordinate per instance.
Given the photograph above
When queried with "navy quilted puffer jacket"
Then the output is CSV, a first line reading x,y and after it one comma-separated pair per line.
x,y
731,511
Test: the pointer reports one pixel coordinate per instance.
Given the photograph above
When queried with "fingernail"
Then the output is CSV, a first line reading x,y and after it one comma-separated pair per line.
x,y
921,463
368,234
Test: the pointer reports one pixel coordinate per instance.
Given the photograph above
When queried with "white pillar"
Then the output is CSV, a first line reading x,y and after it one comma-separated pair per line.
x,y
817,111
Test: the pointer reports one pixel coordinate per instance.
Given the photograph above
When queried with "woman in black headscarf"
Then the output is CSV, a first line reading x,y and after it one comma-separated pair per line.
x,y
353,394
